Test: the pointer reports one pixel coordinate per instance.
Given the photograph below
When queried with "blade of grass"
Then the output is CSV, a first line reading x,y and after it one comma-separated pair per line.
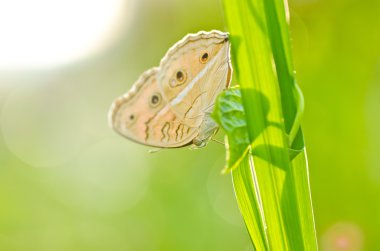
x,y
229,114
273,191
244,180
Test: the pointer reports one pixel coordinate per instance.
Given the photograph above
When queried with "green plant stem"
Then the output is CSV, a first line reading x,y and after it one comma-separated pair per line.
x,y
272,189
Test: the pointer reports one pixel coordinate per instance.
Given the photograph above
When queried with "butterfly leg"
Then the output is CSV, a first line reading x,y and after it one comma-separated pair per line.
x,y
206,131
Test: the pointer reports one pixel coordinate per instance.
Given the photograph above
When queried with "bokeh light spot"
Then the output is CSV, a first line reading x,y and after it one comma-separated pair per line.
x,y
343,236
45,33
45,125
107,178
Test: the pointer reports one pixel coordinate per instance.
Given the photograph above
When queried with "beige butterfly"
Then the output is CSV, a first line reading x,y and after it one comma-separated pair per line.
x,y
170,105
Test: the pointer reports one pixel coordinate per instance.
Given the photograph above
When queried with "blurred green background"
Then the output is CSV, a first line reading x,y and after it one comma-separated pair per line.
x,y
68,182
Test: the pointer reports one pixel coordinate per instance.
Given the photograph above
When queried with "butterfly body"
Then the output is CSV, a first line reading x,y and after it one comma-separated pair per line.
x,y
170,105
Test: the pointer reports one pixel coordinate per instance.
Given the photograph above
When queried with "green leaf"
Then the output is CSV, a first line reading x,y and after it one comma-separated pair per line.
x,y
266,150
229,114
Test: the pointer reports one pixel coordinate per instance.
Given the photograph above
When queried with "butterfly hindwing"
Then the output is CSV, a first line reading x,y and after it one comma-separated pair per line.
x,y
143,116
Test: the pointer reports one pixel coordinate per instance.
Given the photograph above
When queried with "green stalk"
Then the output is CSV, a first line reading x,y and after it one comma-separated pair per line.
x,y
266,152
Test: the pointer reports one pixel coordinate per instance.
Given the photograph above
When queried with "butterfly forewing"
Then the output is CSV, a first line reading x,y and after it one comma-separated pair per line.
x,y
194,72
170,105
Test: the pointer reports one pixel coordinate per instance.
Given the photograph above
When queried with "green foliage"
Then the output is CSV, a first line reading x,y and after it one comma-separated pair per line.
x,y
265,143
229,114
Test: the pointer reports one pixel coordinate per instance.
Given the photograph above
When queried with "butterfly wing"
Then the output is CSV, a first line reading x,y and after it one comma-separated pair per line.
x,y
193,72
143,115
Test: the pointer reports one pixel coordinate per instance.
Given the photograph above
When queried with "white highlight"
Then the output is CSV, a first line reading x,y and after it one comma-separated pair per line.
x,y
42,33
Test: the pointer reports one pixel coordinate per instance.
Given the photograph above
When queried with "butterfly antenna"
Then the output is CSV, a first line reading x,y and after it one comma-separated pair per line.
x,y
217,141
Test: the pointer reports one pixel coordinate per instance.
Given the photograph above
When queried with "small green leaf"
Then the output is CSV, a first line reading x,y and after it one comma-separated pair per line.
x,y
229,114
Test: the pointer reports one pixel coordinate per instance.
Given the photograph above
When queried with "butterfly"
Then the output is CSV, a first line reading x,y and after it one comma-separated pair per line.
x,y
170,105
